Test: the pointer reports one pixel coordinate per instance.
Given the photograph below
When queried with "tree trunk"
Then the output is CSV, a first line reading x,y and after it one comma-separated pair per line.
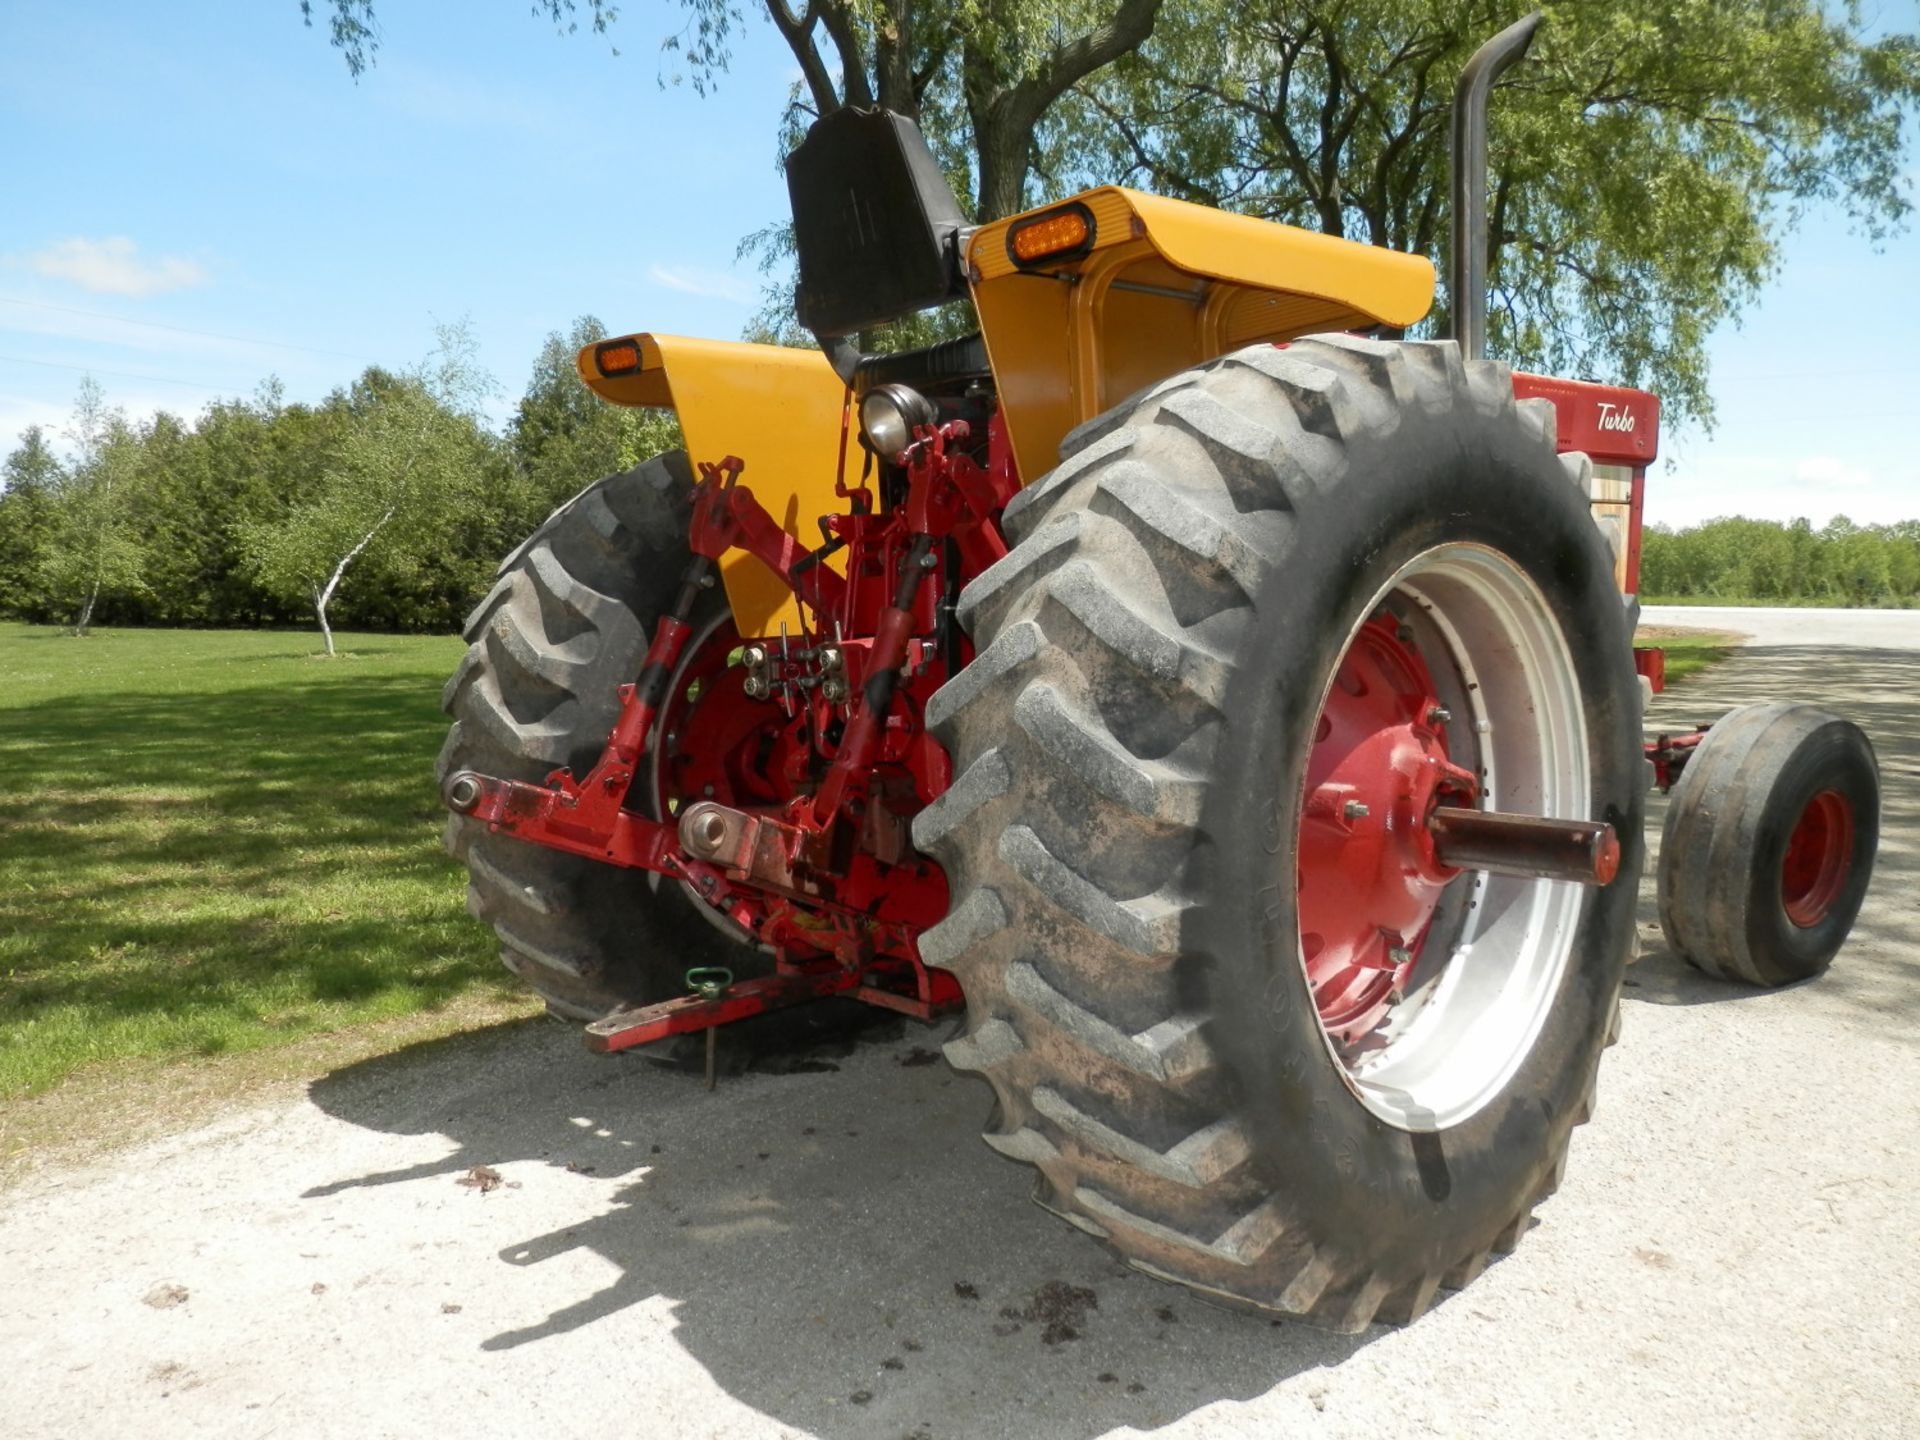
x,y
320,598
1005,108
325,595
1004,153
86,611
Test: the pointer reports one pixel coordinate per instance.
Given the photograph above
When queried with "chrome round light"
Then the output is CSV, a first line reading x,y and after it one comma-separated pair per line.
x,y
888,415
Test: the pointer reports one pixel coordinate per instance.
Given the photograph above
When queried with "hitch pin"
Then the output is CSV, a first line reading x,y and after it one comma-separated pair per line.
x,y
709,982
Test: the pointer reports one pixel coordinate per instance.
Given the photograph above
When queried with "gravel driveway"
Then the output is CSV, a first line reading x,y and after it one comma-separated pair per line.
x,y
832,1251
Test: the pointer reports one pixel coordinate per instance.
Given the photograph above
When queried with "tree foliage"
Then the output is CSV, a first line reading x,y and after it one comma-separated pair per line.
x,y
201,494
93,545
1733,559
1648,157
238,511
410,454
566,436
27,485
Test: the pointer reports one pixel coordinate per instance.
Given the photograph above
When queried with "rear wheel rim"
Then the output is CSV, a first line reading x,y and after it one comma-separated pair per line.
x,y
1460,630
1819,854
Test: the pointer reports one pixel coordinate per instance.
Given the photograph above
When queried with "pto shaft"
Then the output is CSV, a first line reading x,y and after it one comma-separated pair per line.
x,y
1587,852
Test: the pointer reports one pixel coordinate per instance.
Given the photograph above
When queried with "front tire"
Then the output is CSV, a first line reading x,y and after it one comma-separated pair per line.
x,y
1769,843
1132,746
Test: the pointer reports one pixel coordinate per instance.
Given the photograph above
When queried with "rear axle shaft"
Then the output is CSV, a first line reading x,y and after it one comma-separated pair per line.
x,y
1586,852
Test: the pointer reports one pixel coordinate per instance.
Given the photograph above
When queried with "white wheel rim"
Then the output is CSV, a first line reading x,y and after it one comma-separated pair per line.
x,y
1487,981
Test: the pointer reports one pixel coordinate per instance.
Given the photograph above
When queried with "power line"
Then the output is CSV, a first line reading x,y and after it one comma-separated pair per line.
x,y
1724,377
124,375
184,330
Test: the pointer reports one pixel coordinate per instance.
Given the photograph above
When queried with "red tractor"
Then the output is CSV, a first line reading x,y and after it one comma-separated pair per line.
x,y
1229,702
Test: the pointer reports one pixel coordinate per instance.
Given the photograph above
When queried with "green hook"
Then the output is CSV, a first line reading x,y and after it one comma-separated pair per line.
x,y
709,982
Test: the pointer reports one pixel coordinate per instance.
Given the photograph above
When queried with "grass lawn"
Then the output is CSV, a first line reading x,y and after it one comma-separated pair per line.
x,y
1688,651
1774,602
213,842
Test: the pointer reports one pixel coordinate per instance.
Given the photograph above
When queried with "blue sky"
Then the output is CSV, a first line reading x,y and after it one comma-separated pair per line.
x,y
195,200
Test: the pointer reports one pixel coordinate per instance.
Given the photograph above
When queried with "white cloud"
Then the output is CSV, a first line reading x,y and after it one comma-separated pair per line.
x,y
708,284
114,267
1825,472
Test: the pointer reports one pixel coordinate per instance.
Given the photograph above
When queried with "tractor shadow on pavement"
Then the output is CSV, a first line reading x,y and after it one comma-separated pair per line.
x,y
835,1245
1876,689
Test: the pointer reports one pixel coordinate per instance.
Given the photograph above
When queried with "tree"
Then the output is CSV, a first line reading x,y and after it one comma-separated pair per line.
x,y
26,496
1737,559
409,459
1648,157
1903,557
93,544
1861,570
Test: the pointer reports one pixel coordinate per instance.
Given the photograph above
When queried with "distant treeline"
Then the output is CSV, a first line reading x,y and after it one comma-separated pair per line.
x,y
240,516
387,506
1841,563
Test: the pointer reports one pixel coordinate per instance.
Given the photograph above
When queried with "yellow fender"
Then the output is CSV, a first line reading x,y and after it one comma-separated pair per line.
x,y
778,409
1161,285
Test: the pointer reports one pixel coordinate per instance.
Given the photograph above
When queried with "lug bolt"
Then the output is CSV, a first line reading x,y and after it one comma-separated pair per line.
x,y
1439,715
1399,954
463,793
1355,810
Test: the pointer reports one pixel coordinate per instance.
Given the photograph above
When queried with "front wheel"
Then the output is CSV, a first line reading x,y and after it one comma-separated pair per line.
x,y
1769,843
1256,627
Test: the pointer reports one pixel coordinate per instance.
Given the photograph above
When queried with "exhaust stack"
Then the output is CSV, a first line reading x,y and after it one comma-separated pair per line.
x,y
1467,284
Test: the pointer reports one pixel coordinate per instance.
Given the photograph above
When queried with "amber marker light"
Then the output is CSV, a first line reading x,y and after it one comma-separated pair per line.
x,y
617,357
1052,235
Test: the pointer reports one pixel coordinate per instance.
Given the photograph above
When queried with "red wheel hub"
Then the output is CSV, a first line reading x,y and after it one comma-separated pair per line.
x,y
715,742
1369,880
1819,854
718,744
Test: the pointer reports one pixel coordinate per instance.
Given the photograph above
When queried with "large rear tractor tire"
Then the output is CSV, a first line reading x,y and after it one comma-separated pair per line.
x,y
566,624
1249,612
1769,843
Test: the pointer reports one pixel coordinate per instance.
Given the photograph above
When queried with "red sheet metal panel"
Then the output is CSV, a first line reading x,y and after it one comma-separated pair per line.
x,y
1610,422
